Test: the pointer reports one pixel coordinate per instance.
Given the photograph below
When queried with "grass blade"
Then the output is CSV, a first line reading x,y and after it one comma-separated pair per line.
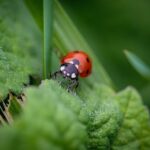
x,y
138,64
67,38
42,11
47,35
36,9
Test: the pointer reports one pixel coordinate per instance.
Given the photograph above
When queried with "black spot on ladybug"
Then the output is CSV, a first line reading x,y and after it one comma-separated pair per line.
x,y
87,72
76,51
87,59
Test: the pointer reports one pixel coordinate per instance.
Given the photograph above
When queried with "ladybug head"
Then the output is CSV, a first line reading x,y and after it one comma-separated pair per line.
x,y
70,69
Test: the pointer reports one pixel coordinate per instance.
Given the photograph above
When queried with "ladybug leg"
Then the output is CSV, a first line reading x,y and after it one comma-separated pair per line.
x,y
73,85
55,74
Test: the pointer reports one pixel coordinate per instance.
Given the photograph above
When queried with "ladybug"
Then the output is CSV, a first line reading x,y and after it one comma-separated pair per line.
x,y
73,65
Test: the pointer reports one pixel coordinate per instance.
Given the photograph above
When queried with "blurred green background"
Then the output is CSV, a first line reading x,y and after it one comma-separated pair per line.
x,y
110,27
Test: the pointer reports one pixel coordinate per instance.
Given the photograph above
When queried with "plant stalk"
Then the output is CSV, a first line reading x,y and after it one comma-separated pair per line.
x,y
47,36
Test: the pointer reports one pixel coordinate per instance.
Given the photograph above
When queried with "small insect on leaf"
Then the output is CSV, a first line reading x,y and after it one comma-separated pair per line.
x,y
74,64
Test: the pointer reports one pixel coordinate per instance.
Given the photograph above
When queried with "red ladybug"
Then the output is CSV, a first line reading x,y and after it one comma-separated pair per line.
x,y
74,64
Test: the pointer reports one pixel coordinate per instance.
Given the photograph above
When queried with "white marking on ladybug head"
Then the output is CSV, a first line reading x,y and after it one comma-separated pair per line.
x,y
77,66
64,72
68,74
62,68
73,75
71,62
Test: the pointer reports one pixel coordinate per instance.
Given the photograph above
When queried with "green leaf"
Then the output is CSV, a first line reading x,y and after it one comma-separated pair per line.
x,y
47,122
13,74
20,37
36,8
138,64
102,117
134,131
19,34
55,119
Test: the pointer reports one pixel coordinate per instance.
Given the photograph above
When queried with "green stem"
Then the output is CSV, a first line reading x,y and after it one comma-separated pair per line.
x,y
47,36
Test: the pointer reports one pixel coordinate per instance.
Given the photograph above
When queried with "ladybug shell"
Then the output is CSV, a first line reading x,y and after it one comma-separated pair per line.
x,y
85,63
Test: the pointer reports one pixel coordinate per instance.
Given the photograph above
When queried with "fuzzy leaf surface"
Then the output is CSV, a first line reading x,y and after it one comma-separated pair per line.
x,y
21,40
55,119
13,74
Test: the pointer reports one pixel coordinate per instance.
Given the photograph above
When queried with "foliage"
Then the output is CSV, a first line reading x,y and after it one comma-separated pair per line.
x,y
18,32
143,69
18,37
138,64
13,74
55,119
